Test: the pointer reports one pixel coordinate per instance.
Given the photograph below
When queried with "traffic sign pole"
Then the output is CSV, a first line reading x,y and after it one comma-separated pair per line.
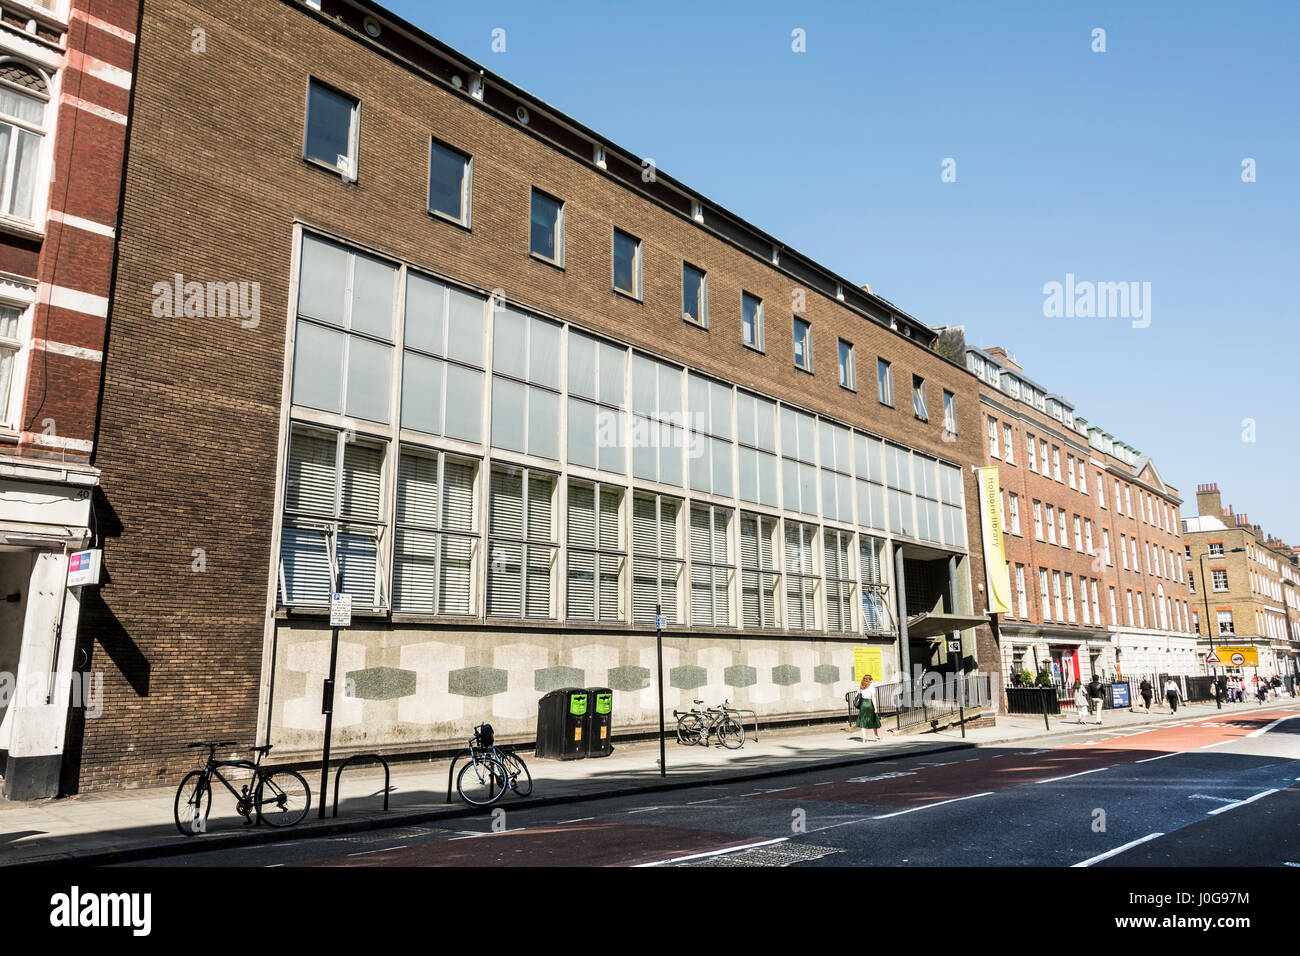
x,y
659,643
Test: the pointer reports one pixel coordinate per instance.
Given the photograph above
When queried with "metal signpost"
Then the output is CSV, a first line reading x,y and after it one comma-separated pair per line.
x,y
659,642
340,616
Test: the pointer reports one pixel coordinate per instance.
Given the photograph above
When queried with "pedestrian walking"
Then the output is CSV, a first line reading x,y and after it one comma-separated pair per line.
x,y
1172,694
868,719
1220,690
1080,701
1094,696
1145,690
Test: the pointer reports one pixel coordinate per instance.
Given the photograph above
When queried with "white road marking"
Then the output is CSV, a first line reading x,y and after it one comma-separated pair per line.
x,y
384,850
1161,757
696,803
579,820
1206,796
1118,850
1069,775
642,810
1263,730
1242,803
701,856
927,806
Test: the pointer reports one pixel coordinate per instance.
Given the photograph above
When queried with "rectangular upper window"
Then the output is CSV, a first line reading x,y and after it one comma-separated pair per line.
x,y
333,119
627,263
10,346
450,173
803,344
695,295
885,382
546,228
949,412
751,320
848,371
918,398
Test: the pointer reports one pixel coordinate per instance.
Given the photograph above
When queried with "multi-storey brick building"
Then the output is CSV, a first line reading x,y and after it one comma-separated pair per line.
x,y
388,316
1244,588
1092,538
65,87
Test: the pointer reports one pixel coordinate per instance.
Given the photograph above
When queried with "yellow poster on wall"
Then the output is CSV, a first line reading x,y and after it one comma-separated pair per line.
x,y
868,660
995,555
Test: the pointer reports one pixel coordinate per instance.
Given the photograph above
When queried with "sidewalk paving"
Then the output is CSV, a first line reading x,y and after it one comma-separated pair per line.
x,y
116,826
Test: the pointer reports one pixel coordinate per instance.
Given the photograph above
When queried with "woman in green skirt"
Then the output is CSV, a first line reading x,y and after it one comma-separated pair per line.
x,y
868,719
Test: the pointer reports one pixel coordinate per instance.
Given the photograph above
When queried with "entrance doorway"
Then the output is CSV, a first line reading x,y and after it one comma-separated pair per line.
x,y
15,580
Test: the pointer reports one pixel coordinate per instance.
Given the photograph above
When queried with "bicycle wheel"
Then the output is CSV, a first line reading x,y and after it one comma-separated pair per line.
x,y
481,781
517,775
193,803
282,798
689,729
731,733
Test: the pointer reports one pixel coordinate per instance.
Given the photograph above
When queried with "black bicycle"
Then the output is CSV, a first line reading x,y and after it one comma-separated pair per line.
x,y
491,771
279,798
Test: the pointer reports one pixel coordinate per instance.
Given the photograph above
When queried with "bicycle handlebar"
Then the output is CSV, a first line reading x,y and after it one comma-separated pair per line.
x,y
208,743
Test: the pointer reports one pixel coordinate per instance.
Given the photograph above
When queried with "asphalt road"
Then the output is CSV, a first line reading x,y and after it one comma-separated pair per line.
x,y
1210,792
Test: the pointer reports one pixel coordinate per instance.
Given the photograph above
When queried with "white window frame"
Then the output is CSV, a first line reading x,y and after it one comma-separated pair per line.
x,y
348,172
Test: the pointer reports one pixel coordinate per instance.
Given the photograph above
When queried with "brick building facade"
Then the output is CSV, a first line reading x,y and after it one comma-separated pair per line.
x,y
65,90
1093,550
1249,599
387,315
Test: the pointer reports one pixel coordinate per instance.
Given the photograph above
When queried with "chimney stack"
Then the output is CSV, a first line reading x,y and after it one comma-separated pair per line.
x,y
1208,500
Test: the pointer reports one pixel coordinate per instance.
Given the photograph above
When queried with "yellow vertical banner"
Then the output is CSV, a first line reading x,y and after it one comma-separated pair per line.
x,y
995,554
868,660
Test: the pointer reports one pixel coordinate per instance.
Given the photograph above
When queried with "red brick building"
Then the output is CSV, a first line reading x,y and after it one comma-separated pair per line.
x,y
388,316
1094,553
65,91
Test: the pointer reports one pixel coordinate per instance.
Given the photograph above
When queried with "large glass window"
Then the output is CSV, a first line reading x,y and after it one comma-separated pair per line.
x,y
450,182
597,554
442,365
798,461
436,546
802,580
657,434
657,563
523,545
597,389
23,96
711,451
868,456
756,434
526,383
836,472
760,587
713,568
333,119
837,555
343,349
926,472
898,480
875,585
546,228
334,519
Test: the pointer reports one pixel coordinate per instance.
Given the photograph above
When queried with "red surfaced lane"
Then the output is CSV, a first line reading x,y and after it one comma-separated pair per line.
x,y
965,778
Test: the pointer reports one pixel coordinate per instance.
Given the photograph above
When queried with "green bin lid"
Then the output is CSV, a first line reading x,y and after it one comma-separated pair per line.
x,y
604,703
577,704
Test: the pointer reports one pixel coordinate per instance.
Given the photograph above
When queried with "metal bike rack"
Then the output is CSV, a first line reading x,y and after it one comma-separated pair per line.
x,y
747,713
338,777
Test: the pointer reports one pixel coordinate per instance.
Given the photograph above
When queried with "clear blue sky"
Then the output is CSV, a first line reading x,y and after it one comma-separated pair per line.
x,y
1116,166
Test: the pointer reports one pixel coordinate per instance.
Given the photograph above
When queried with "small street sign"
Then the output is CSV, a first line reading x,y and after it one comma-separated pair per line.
x,y
954,647
659,622
1212,658
341,610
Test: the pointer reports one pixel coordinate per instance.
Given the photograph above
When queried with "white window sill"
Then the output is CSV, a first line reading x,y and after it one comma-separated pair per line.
x,y
21,227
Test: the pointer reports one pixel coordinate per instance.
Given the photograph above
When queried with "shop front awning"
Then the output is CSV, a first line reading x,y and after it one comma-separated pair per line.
x,y
937,625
